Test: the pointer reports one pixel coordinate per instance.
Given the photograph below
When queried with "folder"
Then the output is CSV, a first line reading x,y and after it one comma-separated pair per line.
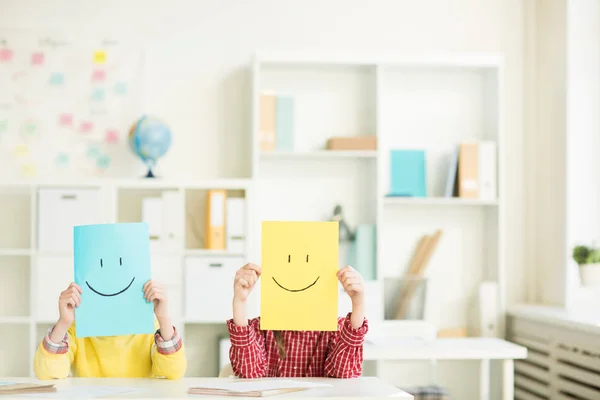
x,y
488,171
468,167
256,387
452,169
215,219
408,173
284,123
363,253
267,104
235,226
152,209
172,220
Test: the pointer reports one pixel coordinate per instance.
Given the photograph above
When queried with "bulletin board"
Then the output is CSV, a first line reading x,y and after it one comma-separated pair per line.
x,y
66,105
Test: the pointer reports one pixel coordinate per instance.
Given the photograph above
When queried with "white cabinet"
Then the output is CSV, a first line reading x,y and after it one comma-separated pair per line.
x,y
59,210
54,274
209,288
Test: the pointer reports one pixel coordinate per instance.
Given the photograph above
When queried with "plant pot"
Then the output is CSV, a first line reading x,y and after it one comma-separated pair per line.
x,y
590,274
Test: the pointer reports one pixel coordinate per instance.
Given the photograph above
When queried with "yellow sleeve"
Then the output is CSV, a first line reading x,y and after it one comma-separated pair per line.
x,y
168,357
53,360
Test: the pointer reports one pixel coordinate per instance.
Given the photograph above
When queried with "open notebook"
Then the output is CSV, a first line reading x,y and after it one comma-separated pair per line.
x,y
22,388
255,388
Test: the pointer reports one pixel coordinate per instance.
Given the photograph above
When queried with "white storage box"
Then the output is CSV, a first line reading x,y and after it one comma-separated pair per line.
x,y
54,274
59,210
209,288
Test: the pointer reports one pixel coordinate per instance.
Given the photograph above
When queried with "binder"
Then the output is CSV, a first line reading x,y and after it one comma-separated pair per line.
x,y
488,182
284,123
452,169
468,166
172,221
408,173
267,104
235,226
152,210
488,309
215,219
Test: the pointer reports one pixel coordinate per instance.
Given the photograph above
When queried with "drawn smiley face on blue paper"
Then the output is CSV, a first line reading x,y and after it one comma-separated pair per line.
x,y
112,264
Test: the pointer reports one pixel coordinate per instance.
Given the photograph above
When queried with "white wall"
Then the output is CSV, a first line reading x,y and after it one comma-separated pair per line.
x,y
583,133
563,192
199,51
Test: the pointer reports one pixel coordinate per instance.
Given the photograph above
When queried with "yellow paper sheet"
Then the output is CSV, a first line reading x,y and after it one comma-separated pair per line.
x,y
299,287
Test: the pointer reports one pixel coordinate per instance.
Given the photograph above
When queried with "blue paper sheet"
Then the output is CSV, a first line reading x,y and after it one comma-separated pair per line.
x,y
112,264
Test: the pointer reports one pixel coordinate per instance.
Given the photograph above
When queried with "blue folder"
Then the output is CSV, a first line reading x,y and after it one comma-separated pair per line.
x,y
408,173
284,123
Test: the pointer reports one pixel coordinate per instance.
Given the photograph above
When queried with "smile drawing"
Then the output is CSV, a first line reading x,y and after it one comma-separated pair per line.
x,y
296,290
111,294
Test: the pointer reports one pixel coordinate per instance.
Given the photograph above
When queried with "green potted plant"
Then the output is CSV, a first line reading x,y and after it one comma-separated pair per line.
x,y
588,259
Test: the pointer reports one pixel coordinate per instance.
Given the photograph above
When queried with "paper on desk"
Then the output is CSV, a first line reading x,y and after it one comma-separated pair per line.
x,y
84,392
262,385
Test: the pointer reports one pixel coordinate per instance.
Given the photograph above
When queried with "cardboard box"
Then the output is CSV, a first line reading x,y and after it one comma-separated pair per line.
x,y
352,143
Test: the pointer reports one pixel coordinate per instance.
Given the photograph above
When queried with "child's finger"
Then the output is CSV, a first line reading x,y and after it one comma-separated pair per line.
x,y
243,283
76,287
343,271
355,287
253,267
350,280
146,285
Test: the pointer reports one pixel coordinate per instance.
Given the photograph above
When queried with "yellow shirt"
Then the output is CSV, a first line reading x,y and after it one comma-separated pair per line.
x,y
130,356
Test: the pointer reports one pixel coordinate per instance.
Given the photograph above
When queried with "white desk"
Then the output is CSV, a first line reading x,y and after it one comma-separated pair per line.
x,y
164,389
483,349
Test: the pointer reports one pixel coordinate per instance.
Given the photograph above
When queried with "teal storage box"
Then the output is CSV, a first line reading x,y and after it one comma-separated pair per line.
x,y
284,123
408,175
363,252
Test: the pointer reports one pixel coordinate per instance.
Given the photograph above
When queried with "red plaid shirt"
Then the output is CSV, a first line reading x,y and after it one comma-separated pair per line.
x,y
339,354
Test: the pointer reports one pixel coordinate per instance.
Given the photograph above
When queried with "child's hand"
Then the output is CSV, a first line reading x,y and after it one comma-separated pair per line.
x,y
67,302
245,279
157,293
353,284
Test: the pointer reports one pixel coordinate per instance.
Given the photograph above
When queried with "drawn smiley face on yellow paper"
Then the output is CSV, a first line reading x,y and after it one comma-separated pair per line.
x,y
299,287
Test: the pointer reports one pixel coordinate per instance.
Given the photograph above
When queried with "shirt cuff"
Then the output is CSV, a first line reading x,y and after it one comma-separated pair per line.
x,y
353,336
167,347
240,335
55,348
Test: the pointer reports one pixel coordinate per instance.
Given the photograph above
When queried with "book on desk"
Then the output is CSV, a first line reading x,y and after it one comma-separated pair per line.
x,y
24,388
255,388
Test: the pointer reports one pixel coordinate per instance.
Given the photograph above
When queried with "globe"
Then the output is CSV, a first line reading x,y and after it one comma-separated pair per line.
x,y
149,139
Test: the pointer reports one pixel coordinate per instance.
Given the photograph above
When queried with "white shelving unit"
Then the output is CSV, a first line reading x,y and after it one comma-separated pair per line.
x,y
409,102
32,278
415,102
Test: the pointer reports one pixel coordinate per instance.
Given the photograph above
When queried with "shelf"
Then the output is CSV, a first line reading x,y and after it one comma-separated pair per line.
x,y
16,252
15,320
318,154
437,201
212,253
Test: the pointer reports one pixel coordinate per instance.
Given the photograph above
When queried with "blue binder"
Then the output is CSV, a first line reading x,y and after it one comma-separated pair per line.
x,y
284,123
408,173
363,252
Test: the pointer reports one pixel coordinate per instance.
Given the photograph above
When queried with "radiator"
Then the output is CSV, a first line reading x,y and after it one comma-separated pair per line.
x,y
561,363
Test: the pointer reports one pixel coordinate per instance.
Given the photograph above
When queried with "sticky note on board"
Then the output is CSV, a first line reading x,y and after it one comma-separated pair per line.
x,y
99,57
86,127
112,136
112,264
57,78
3,126
65,120
120,88
299,287
6,55
98,75
37,59
98,94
